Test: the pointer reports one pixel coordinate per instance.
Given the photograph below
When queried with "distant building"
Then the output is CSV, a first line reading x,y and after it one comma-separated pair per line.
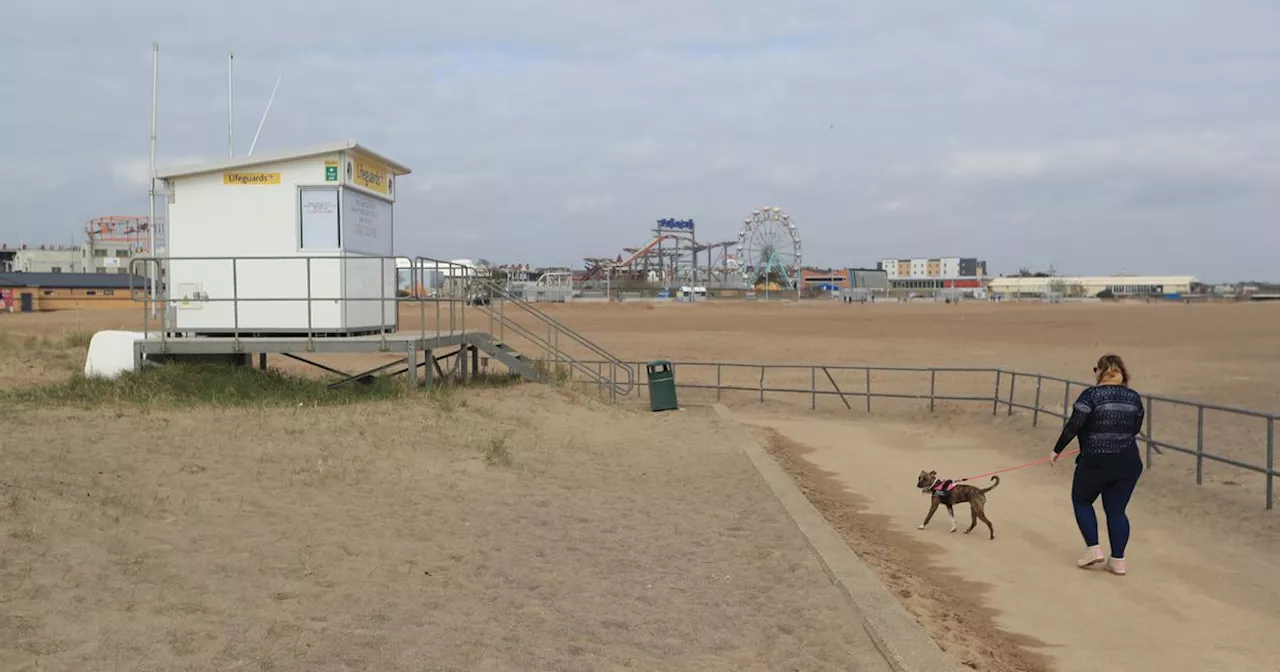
x,y
843,278
48,259
829,279
936,267
94,257
113,257
29,292
869,278
1088,286
932,273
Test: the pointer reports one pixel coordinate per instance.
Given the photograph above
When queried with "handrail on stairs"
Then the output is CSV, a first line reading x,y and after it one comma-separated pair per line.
x,y
493,289
474,278
596,375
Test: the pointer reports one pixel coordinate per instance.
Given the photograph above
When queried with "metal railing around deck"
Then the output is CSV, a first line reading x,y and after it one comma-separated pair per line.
x,y
153,267
442,290
482,290
1000,388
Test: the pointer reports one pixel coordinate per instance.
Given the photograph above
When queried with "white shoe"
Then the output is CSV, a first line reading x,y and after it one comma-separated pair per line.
x,y
1116,566
1092,556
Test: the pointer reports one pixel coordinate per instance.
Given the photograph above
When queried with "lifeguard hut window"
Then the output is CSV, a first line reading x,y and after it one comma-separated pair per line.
x,y
318,226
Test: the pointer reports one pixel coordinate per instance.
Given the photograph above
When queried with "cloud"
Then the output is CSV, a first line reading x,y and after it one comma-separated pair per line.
x,y
132,173
586,203
995,165
1018,132
135,172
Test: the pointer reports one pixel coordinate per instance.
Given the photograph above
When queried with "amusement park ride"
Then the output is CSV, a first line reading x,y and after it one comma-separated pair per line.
x,y
116,230
766,255
670,257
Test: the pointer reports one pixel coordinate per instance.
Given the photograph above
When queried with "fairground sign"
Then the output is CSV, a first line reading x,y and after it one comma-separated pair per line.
x,y
676,224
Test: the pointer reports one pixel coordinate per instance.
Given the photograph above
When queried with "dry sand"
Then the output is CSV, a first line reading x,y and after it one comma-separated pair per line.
x,y
1194,598
1199,594
379,537
1225,353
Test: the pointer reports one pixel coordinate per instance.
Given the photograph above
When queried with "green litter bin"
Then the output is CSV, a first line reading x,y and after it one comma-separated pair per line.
x,y
662,386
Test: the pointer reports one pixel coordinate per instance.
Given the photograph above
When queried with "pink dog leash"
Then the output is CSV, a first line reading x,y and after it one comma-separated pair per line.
x,y
1016,467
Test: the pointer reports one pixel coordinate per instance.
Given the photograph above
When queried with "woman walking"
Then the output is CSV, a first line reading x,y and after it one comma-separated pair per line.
x,y
1107,418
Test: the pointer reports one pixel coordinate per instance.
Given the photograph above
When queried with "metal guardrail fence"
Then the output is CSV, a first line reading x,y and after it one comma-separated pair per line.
x,y
1003,386
452,289
482,289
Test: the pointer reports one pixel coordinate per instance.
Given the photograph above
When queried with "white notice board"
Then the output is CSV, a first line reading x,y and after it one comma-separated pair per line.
x,y
366,224
319,212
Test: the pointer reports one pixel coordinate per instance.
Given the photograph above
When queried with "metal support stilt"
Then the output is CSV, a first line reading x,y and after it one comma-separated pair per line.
x,y
411,373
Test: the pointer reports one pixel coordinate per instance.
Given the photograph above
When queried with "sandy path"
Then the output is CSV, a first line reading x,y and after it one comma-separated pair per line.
x,y
1195,599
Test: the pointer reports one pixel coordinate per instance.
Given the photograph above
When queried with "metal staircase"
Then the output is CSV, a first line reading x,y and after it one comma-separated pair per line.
x,y
525,339
514,361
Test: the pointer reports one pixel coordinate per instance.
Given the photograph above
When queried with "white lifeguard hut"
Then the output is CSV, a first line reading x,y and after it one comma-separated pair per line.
x,y
293,255
299,242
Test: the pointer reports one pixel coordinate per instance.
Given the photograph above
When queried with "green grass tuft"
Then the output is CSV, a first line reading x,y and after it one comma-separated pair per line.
x,y
176,384
556,373
497,452
68,339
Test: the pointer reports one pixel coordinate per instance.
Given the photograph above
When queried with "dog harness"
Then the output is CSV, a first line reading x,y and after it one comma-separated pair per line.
x,y
943,490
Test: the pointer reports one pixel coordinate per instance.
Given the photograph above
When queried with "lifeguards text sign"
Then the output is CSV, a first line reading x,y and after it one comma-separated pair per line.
x,y
372,175
250,178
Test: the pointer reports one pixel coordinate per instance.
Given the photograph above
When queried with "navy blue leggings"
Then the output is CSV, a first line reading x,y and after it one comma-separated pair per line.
x,y
1115,486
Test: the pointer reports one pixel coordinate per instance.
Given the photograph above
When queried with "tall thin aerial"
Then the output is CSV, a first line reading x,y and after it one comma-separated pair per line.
x,y
152,275
263,120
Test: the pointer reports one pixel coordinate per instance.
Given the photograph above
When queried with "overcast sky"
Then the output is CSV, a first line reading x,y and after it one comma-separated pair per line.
x,y
1097,136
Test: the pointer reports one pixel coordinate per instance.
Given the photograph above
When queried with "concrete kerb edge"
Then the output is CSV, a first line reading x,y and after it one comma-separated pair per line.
x,y
900,639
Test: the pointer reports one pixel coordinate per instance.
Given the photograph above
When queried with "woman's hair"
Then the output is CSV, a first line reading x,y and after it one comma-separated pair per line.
x,y
1112,363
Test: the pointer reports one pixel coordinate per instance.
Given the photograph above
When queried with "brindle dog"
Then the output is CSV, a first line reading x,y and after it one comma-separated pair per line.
x,y
957,494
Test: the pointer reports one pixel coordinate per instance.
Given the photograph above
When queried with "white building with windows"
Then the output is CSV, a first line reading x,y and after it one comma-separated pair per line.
x,y
287,243
93,257
1088,286
923,268
47,259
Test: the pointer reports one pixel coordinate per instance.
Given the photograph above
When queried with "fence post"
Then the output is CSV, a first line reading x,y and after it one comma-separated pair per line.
x,y
311,344
1066,403
1035,415
995,396
422,304
1199,444
1271,459
718,390
235,301
1013,384
813,388
868,370
1151,438
933,385
382,303
762,384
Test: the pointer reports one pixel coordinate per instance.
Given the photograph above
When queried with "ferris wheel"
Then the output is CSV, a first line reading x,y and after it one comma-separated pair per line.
x,y
769,249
